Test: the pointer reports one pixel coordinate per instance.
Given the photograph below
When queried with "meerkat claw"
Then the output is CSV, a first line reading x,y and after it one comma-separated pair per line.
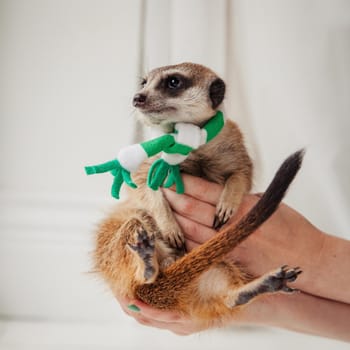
x,y
176,240
221,218
217,223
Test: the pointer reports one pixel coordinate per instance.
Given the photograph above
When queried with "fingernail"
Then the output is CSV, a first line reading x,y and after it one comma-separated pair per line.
x,y
134,308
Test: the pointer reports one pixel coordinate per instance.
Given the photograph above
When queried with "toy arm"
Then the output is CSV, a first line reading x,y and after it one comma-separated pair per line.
x,y
131,157
158,144
120,174
128,160
101,168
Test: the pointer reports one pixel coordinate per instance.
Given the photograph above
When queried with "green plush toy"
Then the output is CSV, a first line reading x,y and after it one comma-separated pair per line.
x,y
165,171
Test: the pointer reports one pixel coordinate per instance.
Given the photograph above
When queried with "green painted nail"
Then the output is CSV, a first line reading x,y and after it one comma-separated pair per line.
x,y
134,308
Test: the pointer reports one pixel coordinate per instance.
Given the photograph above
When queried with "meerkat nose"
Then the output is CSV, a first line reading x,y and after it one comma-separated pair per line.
x,y
139,100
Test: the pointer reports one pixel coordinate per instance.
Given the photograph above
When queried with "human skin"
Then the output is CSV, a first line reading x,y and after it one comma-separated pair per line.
x,y
286,238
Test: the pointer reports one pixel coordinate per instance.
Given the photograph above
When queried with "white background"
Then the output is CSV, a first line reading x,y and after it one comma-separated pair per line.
x,y
68,71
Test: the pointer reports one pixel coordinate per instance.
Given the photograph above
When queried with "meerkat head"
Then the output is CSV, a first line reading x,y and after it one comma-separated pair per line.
x,y
187,92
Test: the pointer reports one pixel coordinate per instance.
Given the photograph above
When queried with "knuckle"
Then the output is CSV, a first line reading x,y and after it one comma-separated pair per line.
x,y
144,321
187,206
173,317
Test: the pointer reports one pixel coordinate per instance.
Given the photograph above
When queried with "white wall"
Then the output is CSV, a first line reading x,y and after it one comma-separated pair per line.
x,y
68,72
186,31
293,66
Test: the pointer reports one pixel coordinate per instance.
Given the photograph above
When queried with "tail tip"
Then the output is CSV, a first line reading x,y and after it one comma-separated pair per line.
x,y
298,156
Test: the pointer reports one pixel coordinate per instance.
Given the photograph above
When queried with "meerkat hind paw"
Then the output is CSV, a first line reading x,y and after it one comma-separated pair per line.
x,y
176,240
278,280
145,248
144,242
273,282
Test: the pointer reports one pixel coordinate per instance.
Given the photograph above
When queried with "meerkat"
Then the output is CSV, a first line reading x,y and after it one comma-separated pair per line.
x,y
140,247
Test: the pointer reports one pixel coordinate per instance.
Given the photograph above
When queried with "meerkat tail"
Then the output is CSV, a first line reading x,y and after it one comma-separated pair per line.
x,y
183,271
269,201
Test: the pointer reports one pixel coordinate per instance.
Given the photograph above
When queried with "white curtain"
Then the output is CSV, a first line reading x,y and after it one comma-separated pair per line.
x,y
287,67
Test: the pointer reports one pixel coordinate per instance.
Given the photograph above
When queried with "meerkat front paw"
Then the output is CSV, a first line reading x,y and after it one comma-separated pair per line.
x,y
236,186
226,207
175,240
143,244
172,234
224,212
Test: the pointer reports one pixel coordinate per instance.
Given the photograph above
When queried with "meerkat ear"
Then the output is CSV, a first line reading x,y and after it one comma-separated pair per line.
x,y
217,92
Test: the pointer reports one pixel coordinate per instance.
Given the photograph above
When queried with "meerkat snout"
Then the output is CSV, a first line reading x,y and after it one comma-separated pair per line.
x,y
139,100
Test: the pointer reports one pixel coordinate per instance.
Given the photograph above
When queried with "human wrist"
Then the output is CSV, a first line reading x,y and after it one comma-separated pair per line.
x,y
267,310
331,268
299,312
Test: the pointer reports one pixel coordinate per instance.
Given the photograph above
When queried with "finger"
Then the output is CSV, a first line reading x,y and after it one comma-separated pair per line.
x,y
136,308
201,189
190,245
170,320
123,303
193,231
177,328
123,300
154,314
190,207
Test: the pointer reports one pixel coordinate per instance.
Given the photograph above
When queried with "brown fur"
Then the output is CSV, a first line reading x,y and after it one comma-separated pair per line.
x,y
201,283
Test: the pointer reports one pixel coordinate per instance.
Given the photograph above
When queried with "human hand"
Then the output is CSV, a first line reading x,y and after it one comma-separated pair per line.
x,y
195,212
173,321
298,312
286,238
152,317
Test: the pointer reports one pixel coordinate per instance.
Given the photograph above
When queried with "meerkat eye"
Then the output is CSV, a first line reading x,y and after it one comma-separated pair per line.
x,y
174,82
143,82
